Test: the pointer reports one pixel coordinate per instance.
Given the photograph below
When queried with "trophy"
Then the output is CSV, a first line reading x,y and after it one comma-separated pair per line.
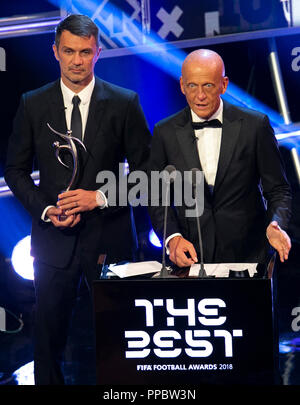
x,y
69,147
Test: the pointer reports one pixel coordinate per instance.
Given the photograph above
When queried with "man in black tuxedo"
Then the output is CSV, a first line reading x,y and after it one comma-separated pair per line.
x,y
241,164
112,127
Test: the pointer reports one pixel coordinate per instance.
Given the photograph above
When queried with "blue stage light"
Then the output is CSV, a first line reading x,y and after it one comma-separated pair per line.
x,y
24,375
240,97
116,28
21,259
154,239
288,346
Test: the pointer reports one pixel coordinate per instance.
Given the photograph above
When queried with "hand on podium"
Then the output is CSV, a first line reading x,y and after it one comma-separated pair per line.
x,y
178,247
279,240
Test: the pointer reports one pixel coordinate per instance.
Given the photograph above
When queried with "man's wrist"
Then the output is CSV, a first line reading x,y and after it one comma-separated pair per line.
x,y
169,239
44,216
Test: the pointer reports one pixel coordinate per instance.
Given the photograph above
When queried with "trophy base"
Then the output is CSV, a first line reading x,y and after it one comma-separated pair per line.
x,y
62,217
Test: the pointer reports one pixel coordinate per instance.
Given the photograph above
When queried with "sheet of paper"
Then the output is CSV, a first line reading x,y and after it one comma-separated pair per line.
x,y
217,270
135,269
222,269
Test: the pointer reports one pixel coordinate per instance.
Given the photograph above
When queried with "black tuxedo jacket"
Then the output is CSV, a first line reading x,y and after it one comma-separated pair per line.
x,y
250,188
116,129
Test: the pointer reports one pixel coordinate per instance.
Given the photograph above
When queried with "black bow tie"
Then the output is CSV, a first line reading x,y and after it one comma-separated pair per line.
x,y
204,124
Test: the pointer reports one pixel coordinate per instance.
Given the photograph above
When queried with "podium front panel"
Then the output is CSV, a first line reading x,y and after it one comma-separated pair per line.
x,y
184,331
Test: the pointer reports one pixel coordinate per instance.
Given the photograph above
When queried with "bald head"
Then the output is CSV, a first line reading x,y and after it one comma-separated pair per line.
x,y
203,81
204,57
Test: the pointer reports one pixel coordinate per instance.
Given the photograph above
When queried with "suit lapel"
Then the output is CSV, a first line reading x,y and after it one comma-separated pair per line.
x,y
230,135
188,145
186,139
94,119
57,117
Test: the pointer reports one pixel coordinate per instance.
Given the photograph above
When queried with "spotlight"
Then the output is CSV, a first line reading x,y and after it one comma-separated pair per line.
x,y
21,259
154,239
24,375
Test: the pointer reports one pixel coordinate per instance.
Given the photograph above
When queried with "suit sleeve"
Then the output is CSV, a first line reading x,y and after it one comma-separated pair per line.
x,y
276,189
19,163
137,137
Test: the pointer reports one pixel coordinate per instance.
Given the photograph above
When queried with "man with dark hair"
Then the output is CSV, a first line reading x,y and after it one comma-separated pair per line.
x,y
82,26
112,126
238,153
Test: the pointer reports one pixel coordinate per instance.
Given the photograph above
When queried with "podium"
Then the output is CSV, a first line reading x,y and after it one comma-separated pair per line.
x,y
185,331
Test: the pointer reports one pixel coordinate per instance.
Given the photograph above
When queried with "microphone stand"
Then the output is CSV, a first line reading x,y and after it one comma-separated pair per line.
x,y
202,272
164,273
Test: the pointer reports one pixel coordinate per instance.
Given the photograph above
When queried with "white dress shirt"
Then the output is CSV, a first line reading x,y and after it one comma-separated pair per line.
x,y
208,144
85,98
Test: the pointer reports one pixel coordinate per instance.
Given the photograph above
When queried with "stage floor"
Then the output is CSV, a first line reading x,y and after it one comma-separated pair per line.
x,y
16,354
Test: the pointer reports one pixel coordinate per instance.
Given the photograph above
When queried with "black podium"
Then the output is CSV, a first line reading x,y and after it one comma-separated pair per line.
x,y
185,331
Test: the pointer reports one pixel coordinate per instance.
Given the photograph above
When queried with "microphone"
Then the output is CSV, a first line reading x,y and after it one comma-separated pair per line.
x,y
202,272
169,177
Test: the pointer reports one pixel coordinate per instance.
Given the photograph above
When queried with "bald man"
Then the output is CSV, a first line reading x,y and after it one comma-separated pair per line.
x,y
247,199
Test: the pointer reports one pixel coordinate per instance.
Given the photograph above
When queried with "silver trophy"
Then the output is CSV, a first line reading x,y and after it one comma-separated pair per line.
x,y
72,148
